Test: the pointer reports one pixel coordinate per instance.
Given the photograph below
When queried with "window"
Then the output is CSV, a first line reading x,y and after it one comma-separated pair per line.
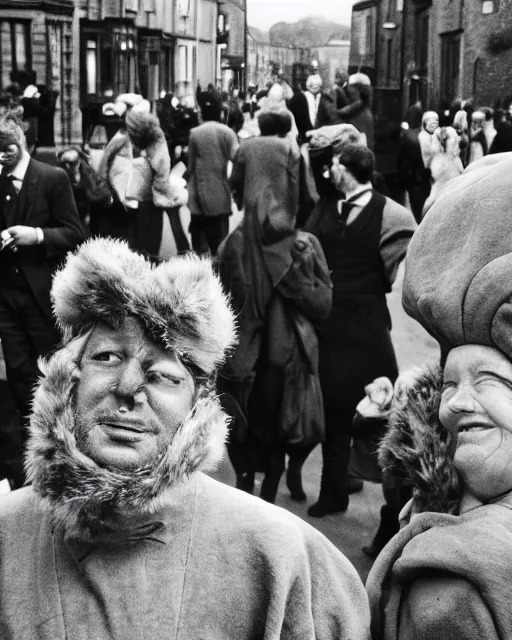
x,y
91,65
450,66
131,5
124,57
182,63
149,67
15,51
421,40
488,6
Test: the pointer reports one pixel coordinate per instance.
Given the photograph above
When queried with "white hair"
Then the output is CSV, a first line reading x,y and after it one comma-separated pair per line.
x,y
314,80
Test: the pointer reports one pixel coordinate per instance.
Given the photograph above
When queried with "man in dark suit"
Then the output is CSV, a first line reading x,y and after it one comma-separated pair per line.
x,y
39,224
311,108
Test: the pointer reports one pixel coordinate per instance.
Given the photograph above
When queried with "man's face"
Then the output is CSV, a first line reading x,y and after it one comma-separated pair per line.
x,y
132,397
476,406
314,88
338,171
431,123
9,157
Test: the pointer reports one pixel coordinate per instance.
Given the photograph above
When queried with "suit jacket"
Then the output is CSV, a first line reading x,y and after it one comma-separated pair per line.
x,y
45,200
211,146
298,105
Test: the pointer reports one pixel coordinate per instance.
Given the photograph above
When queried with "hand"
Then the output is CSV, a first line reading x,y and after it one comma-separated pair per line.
x,y
23,236
380,392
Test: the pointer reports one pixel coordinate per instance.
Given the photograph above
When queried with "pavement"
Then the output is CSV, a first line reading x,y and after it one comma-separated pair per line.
x,y
351,530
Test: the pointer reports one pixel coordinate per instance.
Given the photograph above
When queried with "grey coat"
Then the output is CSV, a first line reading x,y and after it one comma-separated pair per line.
x,y
211,146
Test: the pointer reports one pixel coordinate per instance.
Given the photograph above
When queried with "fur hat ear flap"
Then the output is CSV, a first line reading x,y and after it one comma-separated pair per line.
x,y
180,303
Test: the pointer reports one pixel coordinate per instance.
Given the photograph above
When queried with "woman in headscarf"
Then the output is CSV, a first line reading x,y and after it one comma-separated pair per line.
x,y
447,573
280,286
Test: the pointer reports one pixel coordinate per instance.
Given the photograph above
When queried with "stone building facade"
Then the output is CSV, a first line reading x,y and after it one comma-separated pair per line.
x,y
37,48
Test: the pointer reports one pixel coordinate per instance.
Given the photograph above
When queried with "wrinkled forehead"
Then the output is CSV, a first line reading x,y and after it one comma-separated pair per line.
x,y
130,336
474,359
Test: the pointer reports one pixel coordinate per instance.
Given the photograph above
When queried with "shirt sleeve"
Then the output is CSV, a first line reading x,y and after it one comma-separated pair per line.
x,y
398,227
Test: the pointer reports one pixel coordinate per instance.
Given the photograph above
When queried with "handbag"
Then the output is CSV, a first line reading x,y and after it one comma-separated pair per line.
x,y
140,179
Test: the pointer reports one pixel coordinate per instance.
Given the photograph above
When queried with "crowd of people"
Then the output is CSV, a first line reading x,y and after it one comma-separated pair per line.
x,y
133,363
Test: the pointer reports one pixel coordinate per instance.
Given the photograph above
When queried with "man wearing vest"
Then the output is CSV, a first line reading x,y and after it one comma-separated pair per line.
x,y
39,224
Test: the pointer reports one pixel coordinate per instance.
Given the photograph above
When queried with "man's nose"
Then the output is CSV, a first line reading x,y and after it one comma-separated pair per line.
x,y
130,383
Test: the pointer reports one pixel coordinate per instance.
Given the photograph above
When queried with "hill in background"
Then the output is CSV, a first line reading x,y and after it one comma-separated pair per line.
x,y
308,32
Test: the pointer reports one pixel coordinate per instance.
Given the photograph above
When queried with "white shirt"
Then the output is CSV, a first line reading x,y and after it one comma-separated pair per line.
x,y
313,102
358,203
20,170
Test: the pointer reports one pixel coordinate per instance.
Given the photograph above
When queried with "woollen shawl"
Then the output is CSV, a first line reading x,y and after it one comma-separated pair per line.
x,y
458,270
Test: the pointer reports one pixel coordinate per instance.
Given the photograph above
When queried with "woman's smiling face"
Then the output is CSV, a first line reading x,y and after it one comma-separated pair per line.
x,y
476,406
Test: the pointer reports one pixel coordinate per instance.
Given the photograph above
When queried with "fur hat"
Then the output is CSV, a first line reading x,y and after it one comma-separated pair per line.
x,y
416,448
180,302
458,271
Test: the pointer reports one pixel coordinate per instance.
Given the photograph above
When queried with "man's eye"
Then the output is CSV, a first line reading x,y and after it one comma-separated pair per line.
x,y
106,356
165,378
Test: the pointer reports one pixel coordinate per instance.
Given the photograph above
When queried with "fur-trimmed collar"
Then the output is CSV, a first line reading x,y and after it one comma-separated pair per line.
x,y
417,448
86,499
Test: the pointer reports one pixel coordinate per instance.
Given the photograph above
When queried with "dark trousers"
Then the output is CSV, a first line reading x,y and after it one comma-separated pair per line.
x,y
26,334
345,370
208,232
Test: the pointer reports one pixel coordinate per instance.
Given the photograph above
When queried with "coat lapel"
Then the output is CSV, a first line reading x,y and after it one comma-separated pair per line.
x,y
27,195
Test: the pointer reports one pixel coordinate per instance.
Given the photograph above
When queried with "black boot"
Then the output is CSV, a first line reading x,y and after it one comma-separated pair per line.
x,y
388,526
294,475
270,484
329,500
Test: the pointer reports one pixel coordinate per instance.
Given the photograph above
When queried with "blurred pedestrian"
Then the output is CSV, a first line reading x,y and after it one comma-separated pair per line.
x,y
310,108
280,286
489,128
445,163
359,110
413,174
503,139
428,141
364,237
90,191
477,140
39,224
212,146
460,124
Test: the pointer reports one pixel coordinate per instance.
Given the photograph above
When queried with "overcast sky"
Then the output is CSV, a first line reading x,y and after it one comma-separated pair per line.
x,y
264,13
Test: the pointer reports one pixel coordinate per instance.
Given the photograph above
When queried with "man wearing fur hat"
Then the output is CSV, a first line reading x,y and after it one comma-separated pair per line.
x,y
39,223
122,535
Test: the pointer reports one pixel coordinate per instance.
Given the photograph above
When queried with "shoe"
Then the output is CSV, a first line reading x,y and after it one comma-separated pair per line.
x,y
353,485
294,483
325,507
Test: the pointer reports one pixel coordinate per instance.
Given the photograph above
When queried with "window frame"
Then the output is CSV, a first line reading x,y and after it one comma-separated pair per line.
x,y
27,24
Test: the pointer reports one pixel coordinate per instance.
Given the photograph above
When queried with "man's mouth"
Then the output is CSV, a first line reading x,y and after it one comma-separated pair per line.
x,y
126,426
